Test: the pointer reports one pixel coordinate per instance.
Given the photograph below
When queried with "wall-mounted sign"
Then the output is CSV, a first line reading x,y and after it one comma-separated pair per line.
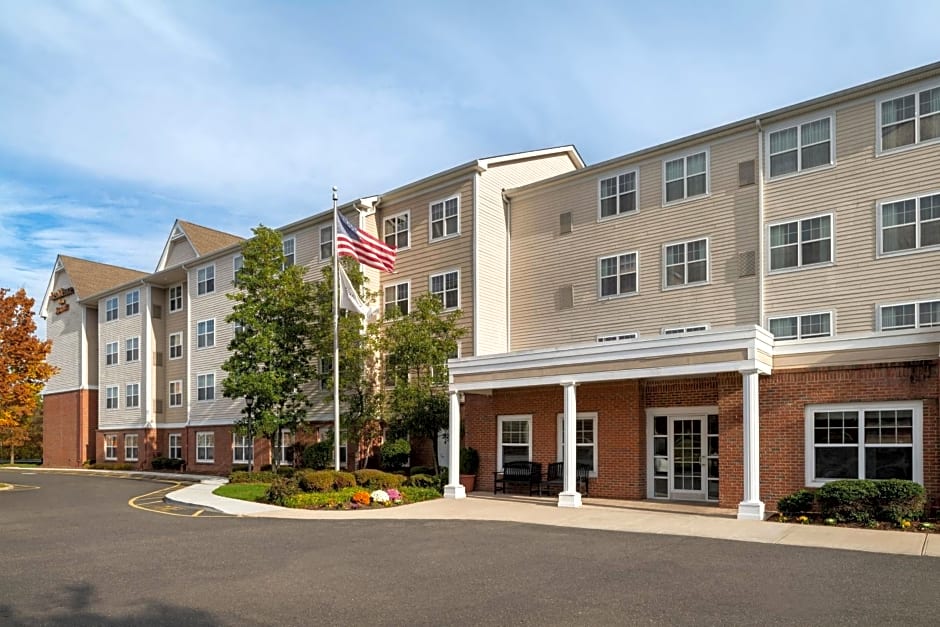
x,y
61,295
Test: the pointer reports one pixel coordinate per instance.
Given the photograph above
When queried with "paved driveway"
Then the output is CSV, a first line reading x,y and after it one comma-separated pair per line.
x,y
75,553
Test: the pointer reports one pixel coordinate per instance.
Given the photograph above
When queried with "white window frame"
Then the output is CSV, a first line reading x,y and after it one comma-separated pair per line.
x,y
238,262
915,91
916,304
175,297
444,233
128,396
917,438
178,383
205,284
684,329
205,337
798,124
589,415
443,293
243,449
918,225
111,354
396,233
290,258
205,385
636,273
619,212
177,347
385,302
326,242
607,338
110,446
111,397
799,244
131,447
291,438
175,446
132,349
499,435
685,264
799,325
132,303
205,447
684,156
111,309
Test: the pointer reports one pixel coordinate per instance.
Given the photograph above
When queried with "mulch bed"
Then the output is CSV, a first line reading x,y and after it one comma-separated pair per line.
x,y
816,519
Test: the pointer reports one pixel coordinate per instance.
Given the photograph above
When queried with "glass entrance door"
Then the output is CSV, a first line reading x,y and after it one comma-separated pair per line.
x,y
684,457
688,458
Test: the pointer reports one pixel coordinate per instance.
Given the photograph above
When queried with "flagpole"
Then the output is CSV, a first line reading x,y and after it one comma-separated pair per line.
x,y
336,437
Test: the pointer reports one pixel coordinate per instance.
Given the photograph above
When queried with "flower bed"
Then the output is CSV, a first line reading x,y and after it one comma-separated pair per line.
x,y
919,526
358,498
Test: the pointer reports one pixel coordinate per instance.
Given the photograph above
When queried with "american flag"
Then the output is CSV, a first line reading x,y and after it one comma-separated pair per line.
x,y
362,247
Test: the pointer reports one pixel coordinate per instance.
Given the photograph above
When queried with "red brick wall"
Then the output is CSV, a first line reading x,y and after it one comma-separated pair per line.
x,y
69,423
146,447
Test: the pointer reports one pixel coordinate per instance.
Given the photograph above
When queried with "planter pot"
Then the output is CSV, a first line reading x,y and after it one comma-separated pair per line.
x,y
468,482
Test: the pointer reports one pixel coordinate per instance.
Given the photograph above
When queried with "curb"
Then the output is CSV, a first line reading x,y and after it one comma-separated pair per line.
x,y
143,474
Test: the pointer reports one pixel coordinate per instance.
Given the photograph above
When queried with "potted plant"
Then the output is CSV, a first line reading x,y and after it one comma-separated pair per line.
x,y
469,464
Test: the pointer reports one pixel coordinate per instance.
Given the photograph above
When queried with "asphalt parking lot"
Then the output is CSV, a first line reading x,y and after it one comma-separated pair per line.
x,y
76,552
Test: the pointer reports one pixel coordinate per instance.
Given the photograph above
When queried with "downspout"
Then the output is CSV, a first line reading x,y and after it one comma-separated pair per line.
x,y
475,282
188,378
760,225
507,208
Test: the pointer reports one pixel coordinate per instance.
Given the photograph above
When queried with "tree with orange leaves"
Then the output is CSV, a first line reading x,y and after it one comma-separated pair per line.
x,y
23,367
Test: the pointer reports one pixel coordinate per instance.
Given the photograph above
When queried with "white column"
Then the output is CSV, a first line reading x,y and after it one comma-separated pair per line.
x,y
751,508
453,489
570,497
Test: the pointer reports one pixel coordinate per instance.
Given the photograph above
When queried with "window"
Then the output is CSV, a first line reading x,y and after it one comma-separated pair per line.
x,y
111,309
801,327
288,246
238,262
324,372
801,243
686,177
396,230
132,349
132,303
325,434
132,395
446,287
176,446
910,315
175,297
444,218
326,242
205,333
515,439
910,224
205,280
683,330
205,387
618,194
110,447
686,263
111,354
287,447
910,119
176,345
205,447
616,275
111,397
130,447
800,147
617,337
585,431
242,449
864,441
176,394
396,297
238,328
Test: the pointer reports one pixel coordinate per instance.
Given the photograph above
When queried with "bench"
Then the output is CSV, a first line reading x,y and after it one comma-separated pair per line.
x,y
519,473
556,477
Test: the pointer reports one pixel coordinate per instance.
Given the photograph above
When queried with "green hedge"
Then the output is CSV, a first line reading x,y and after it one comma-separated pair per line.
x,y
242,476
865,500
377,480
899,499
166,463
800,502
324,480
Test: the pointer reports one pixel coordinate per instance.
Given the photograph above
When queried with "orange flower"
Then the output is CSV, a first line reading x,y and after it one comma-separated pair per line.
x,y
362,497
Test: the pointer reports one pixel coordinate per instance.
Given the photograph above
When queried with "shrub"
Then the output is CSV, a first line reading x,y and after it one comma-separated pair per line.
x,y
284,471
318,456
112,466
469,461
252,477
900,499
343,480
800,502
420,470
395,454
416,495
422,481
166,463
281,490
320,500
324,480
852,500
377,480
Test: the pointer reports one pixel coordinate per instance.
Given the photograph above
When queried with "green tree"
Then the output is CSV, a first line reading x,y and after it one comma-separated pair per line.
x,y
416,348
270,356
359,392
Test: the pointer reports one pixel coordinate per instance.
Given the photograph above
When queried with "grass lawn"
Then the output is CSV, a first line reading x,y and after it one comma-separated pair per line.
x,y
244,491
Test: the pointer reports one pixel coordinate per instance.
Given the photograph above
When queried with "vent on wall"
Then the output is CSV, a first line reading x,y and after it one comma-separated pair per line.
x,y
159,406
158,359
747,264
564,223
746,173
157,312
564,297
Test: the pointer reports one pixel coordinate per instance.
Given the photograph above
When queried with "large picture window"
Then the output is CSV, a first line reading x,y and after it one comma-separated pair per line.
x,y
515,440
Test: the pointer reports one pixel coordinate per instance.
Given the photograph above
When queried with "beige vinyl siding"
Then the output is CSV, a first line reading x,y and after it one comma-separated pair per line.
x,y
543,261
65,331
90,357
174,369
123,372
156,343
491,235
858,280
425,258
180,250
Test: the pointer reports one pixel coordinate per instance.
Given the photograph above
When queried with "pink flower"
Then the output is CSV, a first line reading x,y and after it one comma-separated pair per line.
x,y
393,494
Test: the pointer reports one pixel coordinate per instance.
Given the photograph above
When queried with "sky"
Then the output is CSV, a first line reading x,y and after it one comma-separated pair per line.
x,y
117,117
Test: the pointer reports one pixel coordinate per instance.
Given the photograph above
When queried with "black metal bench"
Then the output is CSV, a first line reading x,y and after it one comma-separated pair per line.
x,y
556,477
519,473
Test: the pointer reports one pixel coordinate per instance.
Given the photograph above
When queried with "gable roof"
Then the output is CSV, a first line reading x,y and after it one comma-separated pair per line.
x,y
90,277
203,240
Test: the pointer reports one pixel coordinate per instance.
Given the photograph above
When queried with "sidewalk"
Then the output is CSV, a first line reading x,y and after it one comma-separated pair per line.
x,y
621,517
